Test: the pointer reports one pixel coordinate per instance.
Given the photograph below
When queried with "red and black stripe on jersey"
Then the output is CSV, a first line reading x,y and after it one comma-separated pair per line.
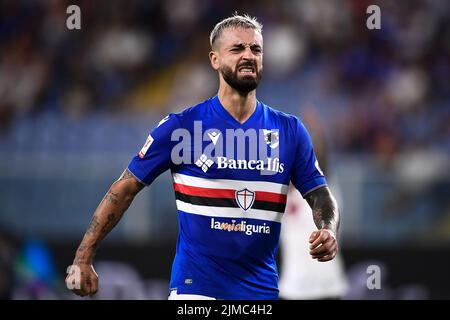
x,y
227,198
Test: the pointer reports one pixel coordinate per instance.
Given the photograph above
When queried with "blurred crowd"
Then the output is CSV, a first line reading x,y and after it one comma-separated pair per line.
x,y
384,90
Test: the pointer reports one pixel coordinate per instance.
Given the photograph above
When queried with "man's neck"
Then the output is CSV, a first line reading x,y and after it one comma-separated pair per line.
x,y
240,106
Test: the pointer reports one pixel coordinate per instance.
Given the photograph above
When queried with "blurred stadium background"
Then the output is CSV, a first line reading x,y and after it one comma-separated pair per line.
x,y
75,106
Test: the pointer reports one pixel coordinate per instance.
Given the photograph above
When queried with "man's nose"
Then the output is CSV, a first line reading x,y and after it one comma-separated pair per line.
x,y
248,54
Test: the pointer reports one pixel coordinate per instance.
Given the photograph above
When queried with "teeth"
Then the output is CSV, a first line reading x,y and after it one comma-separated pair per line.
x,y
246,70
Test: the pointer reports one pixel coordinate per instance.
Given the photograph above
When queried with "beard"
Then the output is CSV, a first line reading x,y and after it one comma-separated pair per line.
x,y
243,85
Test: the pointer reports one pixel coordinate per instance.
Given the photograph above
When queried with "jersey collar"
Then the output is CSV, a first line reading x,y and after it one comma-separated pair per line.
x,y
227,116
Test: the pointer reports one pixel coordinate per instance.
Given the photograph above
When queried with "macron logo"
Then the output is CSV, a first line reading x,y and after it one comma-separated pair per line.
x,y
214,136
163,120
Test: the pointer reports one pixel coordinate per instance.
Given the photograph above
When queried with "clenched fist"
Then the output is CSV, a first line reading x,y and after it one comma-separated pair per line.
x,y
82,279
323,246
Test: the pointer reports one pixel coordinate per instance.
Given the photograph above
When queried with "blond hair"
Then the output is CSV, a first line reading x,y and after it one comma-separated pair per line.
x,y
235,21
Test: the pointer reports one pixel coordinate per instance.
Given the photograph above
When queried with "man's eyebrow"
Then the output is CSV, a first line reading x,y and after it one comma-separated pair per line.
x,y
243,45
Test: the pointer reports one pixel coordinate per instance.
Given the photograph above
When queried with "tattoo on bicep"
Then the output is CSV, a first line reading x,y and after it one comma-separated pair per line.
x,y
128,175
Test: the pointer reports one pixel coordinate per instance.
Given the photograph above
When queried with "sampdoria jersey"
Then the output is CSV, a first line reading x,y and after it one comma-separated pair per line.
x,y
230,183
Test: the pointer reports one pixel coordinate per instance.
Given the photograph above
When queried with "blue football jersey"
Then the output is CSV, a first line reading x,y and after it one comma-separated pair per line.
x,y
230,182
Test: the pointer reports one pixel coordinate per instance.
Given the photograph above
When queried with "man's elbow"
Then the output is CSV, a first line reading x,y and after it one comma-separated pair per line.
x,y
126,189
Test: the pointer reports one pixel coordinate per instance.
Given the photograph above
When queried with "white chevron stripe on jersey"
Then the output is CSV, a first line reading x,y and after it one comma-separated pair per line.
x,y
229,212
230,184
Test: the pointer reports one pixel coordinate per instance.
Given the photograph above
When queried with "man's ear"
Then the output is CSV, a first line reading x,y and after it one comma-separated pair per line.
x,y
213,57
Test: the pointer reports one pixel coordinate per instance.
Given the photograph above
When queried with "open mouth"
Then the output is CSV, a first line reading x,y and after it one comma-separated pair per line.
x,y
246,70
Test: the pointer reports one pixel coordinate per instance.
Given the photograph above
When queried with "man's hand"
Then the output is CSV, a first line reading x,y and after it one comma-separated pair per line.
x,y
326,217
323,246
82,279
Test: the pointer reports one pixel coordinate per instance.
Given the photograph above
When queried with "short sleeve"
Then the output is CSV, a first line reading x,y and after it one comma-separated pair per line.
x,y
155,156
307,175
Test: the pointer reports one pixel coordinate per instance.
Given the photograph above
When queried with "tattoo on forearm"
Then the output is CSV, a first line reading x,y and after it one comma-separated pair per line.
x,y
111,197
103,222
83,247
80,259
92,229
112,220
325,218
318,218
324,209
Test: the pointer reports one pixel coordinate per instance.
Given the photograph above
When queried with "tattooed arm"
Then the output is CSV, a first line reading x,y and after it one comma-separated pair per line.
x,y
108,213
326,217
